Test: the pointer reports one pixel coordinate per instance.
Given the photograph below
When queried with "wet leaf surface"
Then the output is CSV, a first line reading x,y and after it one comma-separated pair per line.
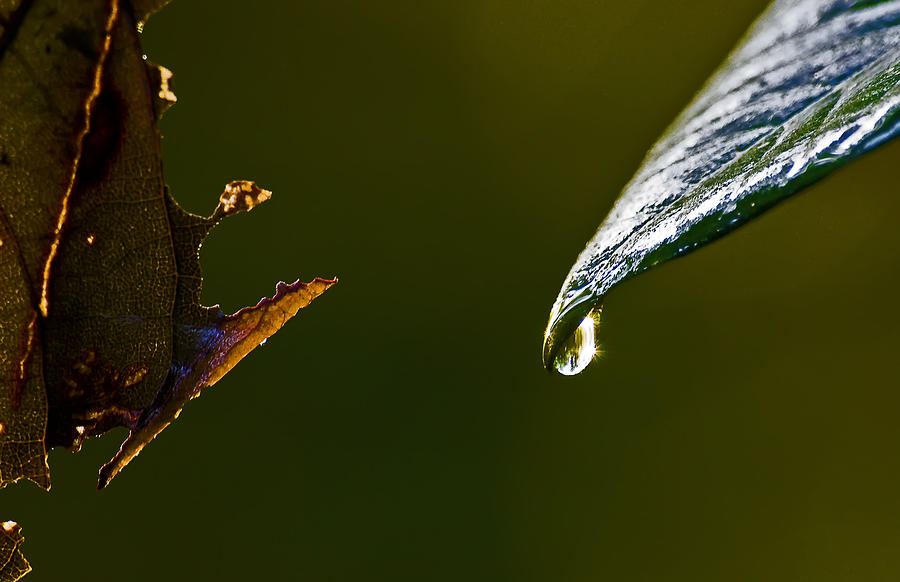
x,y
100,320
814,84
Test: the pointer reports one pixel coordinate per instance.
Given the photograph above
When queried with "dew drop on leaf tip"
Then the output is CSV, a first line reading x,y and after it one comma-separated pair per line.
x,y
580,348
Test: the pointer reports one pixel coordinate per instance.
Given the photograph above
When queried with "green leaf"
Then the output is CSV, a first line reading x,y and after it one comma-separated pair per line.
x,y
100,320
814,84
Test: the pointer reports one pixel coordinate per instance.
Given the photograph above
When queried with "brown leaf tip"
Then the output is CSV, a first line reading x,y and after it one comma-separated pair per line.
x,y
240,196
225,341
252,326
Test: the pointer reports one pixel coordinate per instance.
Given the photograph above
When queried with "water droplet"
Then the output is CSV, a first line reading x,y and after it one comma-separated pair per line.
x,y
579,349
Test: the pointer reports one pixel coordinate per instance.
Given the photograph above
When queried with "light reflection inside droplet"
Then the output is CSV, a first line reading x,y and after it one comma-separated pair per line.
x,y
579,349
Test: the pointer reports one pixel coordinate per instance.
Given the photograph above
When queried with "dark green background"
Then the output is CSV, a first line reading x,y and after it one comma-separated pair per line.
x,y
448,161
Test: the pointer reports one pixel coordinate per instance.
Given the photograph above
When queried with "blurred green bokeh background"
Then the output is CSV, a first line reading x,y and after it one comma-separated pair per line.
x,y
448,161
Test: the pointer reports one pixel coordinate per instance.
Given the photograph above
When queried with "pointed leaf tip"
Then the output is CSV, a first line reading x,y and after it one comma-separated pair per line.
x,y
210,350
251,326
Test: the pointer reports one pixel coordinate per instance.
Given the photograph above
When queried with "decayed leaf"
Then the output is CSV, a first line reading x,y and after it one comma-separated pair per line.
x,y
62,43
100,320
13,564
814,84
